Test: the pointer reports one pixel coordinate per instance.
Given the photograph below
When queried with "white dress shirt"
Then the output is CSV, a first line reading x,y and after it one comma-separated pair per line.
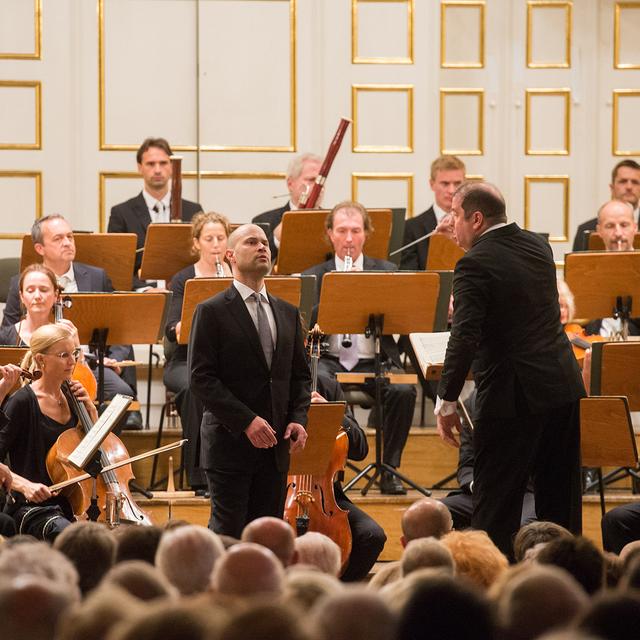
x,y
247,296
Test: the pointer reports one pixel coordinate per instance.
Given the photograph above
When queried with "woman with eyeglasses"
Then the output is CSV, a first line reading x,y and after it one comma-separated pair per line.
x,y
37,414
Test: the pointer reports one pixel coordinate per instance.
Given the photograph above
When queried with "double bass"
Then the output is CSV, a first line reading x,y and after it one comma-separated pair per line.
x,y
311,503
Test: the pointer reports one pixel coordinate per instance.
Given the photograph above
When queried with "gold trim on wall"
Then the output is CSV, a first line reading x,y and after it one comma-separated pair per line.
x,y
291,147
37,37
356,59
616,36
564,180
471,64
37,85
407,177
37,176
564,92
479,93
541,4
617,94
382,88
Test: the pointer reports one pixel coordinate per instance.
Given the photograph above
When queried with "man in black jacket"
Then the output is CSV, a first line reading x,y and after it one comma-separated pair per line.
x,y
506,320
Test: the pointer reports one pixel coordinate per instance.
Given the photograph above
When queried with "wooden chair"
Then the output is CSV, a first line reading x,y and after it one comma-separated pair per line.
x,y
607,439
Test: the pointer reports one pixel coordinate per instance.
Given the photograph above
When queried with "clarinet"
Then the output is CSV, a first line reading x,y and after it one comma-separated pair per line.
x,y
348,265
219,268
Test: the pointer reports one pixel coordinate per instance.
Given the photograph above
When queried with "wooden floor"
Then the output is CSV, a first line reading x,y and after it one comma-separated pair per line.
x,y
426,460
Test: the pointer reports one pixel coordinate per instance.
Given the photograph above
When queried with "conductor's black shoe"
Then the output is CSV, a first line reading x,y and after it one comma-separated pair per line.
x,y
133,421
202,493
391,485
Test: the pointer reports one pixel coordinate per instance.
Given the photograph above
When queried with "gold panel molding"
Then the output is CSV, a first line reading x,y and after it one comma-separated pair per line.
x,y
382,88
479,149
541,179
356,177
37,37
37,86
618,95
566,150
620,7
533,5
471,64
37,177
357,59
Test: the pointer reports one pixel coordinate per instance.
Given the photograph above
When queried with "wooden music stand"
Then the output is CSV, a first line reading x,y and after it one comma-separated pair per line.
x,y
304,242
167,250
443,253
596,243
12,355
377,303
615,371
113,252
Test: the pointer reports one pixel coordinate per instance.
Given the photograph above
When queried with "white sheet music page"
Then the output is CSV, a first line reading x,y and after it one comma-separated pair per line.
x,y
430,348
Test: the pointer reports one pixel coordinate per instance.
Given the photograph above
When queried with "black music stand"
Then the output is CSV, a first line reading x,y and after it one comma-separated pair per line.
x,y
374,303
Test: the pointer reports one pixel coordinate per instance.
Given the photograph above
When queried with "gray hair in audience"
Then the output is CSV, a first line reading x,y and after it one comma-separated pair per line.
x,y
275,534
424,553
37,235
186,556
397,593
140,579
304,587
319,551
295,165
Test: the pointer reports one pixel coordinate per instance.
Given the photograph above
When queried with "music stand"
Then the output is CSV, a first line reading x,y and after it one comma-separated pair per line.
x,y
374,303
12,355
443,253
113,252
304,242
167,250
596,243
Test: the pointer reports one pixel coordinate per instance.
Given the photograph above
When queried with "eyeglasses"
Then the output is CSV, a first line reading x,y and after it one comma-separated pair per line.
x,y
65,355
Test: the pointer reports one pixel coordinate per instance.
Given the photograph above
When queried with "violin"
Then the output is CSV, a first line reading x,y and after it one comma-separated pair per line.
x,y
311,503
114,498
580,341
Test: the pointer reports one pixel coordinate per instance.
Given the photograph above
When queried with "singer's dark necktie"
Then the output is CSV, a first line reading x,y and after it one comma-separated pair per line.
x,y
264,331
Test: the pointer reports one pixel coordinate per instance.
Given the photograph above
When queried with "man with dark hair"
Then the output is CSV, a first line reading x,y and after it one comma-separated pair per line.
x,y
625,186
506,321
152,204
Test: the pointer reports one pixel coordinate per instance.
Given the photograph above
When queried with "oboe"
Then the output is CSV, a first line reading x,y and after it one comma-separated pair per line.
x,y
348,265
219,268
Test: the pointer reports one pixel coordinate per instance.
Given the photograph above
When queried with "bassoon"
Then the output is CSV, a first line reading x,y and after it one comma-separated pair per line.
x,y
175,208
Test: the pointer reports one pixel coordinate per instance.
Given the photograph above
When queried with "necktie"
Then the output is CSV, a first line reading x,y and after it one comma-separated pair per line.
x,y
264,331
158,207
348,356
63,281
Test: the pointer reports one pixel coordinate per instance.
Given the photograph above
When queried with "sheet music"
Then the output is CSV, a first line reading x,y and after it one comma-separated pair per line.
x,y
430,348
81,455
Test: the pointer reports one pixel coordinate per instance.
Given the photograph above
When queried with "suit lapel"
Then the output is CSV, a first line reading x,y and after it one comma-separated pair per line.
x,y
278,315
83,280
141,211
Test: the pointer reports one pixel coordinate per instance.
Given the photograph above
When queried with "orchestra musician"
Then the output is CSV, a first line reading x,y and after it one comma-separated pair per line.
x,y
210,232
249,369
506,321
36,415
9,376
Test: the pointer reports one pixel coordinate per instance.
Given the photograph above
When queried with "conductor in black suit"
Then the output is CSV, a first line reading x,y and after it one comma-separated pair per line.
x,y
152,204
506,320
447,174
249,370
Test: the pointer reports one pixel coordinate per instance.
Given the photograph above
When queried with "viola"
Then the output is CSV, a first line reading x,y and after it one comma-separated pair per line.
x,y
311,502
580,341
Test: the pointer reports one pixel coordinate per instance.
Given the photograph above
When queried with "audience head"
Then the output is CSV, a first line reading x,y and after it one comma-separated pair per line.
x,y
534,533
301,176
275,534
476,557
303,587
154,165
209,234
617,225
348,226
139,579
37,287
447,174
631,575
186,556
629,551
52,238
476,206
248,569
566,301
424,553
137,543
266,621
425,518
317,550
625,182
612,616
91,548
248,251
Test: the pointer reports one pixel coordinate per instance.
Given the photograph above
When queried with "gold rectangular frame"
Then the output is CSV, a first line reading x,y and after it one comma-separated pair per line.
x,y
559,179
356,176
616,36
617,94
37,85
479,93
370,88
37,176
356,59
37,29
291,147
566,94
539,4
471,64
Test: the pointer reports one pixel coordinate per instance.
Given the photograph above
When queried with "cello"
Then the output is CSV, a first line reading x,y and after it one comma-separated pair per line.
x,y
311,503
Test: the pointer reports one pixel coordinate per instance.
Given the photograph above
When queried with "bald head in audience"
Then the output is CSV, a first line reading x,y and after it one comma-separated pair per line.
x,y
276,535
425,518
617,225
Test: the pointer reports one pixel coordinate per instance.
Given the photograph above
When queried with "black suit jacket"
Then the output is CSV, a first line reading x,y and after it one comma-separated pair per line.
x,y
133,216
507,321
415,258
387,344
273,218
229,375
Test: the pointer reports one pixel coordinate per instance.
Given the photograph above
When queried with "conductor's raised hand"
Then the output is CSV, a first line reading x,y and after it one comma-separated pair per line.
x,y
260,433
447,425
297,436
